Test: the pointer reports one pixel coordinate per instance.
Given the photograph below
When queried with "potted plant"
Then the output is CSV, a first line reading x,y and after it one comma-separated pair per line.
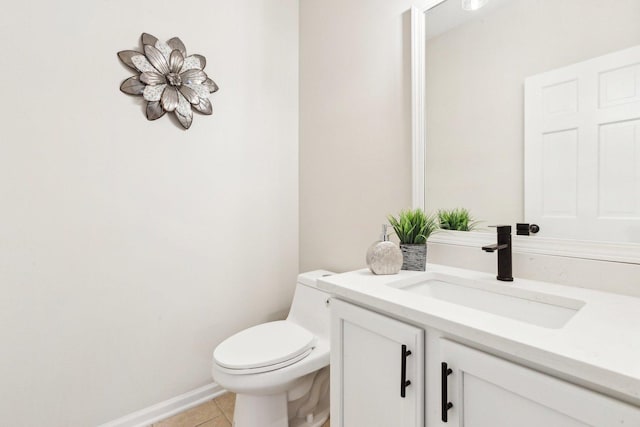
x,y
458,219
413,228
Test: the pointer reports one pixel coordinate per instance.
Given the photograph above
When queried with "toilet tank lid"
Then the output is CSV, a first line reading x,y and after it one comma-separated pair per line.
x,y
309,278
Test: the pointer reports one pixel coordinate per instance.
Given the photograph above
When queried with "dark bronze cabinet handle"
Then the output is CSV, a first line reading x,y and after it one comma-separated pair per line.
x,y
403,371
446,405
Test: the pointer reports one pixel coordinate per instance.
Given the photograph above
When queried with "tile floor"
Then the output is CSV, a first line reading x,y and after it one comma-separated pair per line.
x,y
214,413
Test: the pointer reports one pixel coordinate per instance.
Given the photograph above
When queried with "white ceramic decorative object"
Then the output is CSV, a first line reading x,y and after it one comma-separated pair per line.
x,y
384,257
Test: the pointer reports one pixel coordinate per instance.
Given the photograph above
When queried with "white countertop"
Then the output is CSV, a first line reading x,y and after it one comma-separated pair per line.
x,y
599,347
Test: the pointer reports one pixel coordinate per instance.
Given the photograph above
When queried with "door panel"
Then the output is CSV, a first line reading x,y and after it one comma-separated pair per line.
x,y
487,391
486,404
366,362
582,149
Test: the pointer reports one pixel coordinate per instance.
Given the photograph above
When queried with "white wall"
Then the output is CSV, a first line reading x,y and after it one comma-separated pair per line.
x,y
128,248
475,94
355,126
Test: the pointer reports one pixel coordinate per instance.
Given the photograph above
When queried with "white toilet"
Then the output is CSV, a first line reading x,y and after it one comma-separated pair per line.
x,y
280,370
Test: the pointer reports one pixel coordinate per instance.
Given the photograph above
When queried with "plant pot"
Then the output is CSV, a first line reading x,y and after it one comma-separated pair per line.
x,y
414,257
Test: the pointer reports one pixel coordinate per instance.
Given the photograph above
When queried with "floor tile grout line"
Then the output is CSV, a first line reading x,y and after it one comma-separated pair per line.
x,y
216,417
223,412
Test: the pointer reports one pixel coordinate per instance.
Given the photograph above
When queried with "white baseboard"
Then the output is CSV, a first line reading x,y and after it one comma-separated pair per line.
x,y
147,416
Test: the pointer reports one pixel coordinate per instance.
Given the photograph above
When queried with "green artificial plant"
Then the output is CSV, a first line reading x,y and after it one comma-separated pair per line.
x,y
459,219
413,226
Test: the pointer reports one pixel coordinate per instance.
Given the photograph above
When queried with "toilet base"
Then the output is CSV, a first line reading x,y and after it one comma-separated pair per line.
x,y
270,411
264,411
306,404
317,421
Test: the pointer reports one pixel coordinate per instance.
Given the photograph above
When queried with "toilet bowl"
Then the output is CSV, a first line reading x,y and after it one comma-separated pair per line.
x,y
280,370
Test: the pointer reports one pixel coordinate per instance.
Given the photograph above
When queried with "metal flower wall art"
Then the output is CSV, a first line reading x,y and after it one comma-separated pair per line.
x,y
168,79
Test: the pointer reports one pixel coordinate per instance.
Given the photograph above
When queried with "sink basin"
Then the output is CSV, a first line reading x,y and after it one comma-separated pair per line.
x,y
549,311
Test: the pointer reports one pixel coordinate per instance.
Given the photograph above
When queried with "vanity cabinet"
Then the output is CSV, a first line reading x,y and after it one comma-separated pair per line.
x,y
377,369
486,391
380,368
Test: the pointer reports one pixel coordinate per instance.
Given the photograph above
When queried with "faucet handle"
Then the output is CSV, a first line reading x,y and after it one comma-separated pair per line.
x,y
502,229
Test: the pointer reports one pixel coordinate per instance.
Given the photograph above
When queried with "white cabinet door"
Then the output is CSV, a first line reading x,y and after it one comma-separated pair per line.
x,y
368,381
486,391
582,149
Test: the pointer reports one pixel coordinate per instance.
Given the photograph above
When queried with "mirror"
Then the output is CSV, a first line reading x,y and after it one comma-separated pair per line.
x,y
565,156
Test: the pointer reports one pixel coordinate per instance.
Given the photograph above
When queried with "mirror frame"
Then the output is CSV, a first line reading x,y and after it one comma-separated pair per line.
x,y
600,251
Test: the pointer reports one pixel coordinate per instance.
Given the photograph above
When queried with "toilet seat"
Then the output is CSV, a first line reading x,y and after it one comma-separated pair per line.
x,y
264,347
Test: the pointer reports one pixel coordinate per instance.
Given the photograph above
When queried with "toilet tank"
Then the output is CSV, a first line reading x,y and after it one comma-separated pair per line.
x,y
310,308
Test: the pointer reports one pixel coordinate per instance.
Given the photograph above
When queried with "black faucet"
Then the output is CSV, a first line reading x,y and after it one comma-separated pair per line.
x,y
504,253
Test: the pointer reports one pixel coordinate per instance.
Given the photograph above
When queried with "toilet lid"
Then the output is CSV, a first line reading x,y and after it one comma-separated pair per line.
x,y
264,345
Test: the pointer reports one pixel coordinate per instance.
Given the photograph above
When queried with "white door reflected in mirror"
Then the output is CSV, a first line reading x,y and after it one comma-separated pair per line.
x,y
582,149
